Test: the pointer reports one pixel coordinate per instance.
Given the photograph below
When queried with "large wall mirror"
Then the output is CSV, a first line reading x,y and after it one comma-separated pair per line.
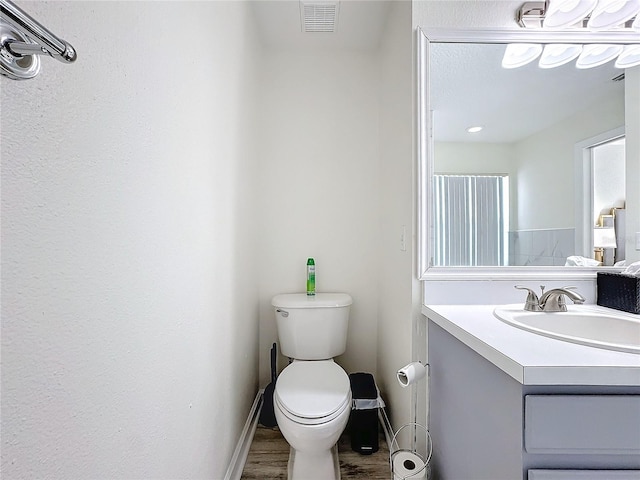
x,y
527,186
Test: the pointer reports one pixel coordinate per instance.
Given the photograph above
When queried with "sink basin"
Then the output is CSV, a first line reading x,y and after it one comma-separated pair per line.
x,y
590,325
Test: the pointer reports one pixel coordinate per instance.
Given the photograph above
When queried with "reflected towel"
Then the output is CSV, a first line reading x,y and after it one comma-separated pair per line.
x,y
633,269
578,261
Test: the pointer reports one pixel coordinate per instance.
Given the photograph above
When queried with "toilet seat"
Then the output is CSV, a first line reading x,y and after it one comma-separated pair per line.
x,y
313,392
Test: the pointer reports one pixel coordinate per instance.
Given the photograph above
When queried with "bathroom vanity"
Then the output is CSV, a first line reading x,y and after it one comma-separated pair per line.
x,y
508,404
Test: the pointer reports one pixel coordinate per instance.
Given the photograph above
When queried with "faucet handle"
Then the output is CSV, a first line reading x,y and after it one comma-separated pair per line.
x,y
532,304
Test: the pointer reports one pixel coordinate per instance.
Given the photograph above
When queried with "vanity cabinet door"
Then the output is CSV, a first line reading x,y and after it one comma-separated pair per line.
x,y
582,424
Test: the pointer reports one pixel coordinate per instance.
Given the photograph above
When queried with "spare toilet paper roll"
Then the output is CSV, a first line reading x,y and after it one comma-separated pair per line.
x,y
411,373
407,465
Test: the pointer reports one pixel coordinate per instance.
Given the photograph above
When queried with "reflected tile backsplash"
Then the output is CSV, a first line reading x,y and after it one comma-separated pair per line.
x,y
541,247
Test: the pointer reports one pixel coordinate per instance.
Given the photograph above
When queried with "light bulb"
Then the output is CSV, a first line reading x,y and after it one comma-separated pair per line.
x,y
555,55
564,13
519,54
612,13
630,57
598,54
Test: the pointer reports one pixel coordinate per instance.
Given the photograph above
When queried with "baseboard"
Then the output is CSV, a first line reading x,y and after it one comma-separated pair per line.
x,y
239,458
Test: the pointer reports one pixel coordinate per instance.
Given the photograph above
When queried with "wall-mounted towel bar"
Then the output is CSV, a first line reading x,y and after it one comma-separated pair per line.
x,y
22,39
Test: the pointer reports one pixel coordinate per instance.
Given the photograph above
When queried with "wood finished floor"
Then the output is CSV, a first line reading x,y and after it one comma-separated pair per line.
x,y
269,454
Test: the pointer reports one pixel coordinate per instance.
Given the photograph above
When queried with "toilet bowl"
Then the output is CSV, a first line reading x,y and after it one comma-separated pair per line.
x,y
312,403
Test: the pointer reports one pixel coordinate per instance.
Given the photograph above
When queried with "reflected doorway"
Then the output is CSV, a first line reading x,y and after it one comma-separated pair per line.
x,y
609,199
600,197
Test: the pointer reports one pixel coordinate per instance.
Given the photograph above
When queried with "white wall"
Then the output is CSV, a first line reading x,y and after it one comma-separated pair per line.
x,y
318,170
398,290
465,14
545,171
129,304
469,158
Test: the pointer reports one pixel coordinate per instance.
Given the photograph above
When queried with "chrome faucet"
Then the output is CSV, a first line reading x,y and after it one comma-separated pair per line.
x,y
551,301
554,300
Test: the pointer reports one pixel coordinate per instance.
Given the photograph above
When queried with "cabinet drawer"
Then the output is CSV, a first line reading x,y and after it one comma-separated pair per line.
x,y
583,474
606,424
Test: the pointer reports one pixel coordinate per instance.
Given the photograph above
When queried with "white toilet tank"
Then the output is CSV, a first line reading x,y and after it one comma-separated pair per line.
x,y
312,327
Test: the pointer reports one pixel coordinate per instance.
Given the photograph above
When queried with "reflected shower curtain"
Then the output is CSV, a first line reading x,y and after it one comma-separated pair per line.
x,y
471,220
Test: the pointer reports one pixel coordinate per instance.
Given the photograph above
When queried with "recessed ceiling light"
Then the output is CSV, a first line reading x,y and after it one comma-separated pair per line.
x,y
474,129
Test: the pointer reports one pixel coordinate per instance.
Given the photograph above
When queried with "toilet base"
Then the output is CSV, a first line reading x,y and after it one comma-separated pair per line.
x,y
314,466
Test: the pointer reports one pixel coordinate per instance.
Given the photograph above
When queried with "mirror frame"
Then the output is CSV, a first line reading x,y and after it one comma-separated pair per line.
x,y
424,148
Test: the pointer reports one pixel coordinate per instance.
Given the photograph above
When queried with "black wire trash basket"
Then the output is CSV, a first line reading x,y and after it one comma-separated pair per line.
x,y
410,462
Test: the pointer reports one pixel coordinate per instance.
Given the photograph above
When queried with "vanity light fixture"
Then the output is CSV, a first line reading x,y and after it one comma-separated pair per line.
x,y
519,54
598,54
580,16
554,55
592,14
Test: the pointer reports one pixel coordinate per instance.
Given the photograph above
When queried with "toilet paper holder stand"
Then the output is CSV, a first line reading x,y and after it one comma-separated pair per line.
x,y
416,465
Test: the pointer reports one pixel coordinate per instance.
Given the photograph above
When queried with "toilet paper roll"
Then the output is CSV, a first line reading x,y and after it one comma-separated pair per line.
x,y
407,465
410,374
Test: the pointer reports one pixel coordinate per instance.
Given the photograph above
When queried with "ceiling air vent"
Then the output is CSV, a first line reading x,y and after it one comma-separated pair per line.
x,y
319,16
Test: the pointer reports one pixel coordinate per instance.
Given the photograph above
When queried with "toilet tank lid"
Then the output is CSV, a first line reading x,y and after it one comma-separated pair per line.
x,y
319,300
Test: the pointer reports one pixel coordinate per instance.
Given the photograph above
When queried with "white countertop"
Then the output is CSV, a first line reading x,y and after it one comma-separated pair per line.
x,y
530,358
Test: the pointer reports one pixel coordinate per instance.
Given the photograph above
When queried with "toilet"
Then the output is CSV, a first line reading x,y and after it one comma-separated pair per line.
x,y
312,397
